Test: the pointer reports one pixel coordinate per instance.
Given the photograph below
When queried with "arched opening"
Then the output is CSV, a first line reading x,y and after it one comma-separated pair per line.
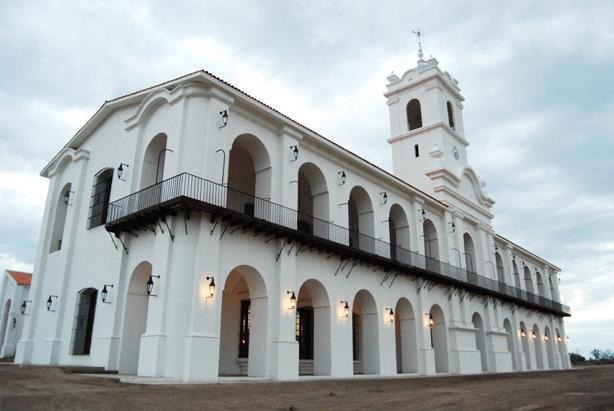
x,y
360,220
500,268
249,176
59,220
313,204
540,284
480,339
553,295
243,329
4,324
101,195
528,281
83,323
313,329
470,261
135,319
450,115
549,341
365,340
560,346
431,245
516,275
152,171
406,337
507,326
399,234
524,337
414,114
439,338
537,341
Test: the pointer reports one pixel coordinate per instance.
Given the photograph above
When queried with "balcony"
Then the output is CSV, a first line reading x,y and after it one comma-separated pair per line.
x,y
186,192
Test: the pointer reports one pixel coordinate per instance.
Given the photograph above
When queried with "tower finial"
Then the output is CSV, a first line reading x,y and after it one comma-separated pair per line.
x,y
419,34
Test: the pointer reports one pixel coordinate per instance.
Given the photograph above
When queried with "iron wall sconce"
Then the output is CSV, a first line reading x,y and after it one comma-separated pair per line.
x,y
14,322
422,214
533,335
346,308
24,307
150,284
383,197
546,337
341,177
67,196
452,226
390,315
120,171
211,286
224,115
50,302
294,151
104,293
292,300
558,338
522,333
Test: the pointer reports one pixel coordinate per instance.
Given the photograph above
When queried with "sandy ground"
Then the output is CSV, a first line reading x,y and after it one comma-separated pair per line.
x,y
42,388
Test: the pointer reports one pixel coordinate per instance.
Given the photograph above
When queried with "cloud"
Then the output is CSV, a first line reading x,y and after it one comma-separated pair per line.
x,y
538,106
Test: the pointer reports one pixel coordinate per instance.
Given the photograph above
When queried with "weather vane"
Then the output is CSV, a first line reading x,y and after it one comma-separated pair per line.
x,y
419,34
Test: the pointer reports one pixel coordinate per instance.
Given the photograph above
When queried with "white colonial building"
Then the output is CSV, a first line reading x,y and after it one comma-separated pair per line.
x,y
193,232
14,294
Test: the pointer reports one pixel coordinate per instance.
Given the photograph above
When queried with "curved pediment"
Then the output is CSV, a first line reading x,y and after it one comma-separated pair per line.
x,y
473,189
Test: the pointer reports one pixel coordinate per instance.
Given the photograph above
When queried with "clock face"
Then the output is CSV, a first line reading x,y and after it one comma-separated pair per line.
x,y
455,153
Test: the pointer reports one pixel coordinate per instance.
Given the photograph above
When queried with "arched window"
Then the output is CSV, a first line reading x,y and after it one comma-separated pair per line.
x,y
414,114
470,261
450,115
60,218
101,194
83,324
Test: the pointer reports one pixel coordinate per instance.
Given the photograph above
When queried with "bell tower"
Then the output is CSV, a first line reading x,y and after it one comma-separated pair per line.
x,y
427,136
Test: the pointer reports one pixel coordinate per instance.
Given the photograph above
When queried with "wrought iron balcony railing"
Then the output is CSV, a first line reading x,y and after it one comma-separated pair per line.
x,y
186,191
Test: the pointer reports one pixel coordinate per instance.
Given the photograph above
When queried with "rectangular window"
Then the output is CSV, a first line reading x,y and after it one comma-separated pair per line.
x,y
416,150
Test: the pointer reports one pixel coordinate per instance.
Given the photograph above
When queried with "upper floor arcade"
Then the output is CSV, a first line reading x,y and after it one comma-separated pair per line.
x,y
200,144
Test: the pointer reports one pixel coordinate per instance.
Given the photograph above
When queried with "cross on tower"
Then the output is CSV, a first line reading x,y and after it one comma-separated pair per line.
x,y
419,34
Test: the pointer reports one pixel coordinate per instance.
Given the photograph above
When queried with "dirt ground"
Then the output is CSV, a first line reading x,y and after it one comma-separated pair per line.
x,y
43,388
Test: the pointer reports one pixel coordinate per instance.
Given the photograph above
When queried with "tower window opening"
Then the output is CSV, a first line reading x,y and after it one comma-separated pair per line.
x,y
414,114
417,150
450,115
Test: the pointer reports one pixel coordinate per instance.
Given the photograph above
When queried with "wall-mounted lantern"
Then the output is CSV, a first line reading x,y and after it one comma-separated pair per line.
x,y
390,315
422,214
346,308
50,302
211,286
120,170
533,335
292,300
67,196
452,226
431,322
522,333
383,197
341,177
104,293
24,307
14,324
224,115
150,284
294,152
546,337
558,338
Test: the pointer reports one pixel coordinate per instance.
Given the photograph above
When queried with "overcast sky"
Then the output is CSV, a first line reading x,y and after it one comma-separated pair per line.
x,y
538,78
